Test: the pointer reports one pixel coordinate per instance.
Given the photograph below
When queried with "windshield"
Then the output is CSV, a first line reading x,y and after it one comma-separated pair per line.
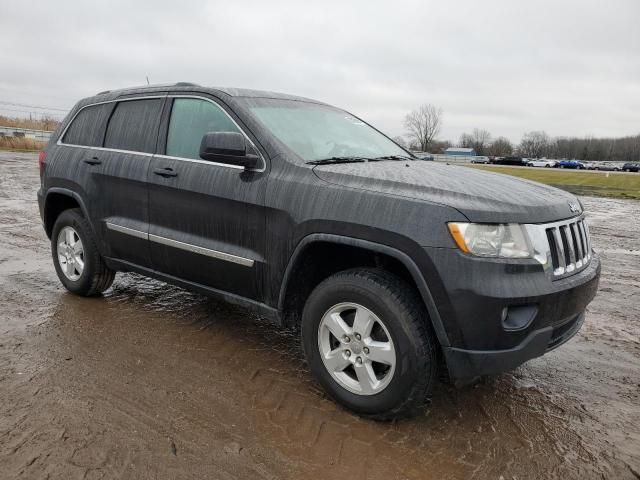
x,y
319,132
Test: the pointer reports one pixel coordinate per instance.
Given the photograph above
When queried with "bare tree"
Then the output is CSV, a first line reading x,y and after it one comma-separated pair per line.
x,y
500,147
535,144
481,139
48,122
466,140
478,140
424,125
440,146
400,140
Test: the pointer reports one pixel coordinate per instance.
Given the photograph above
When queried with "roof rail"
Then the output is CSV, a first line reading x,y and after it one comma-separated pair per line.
x,y
177,84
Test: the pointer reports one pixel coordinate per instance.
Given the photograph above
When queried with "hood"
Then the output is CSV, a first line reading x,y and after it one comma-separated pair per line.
x,y
481,196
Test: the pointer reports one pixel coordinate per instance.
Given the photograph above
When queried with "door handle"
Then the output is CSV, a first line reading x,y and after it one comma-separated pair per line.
x,y
165,172
92,161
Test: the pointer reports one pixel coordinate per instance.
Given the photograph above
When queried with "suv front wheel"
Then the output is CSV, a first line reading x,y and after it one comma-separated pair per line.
x,y
78,263
367,340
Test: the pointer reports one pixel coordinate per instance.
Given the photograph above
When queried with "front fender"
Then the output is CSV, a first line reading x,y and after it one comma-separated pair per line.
x,y
402,257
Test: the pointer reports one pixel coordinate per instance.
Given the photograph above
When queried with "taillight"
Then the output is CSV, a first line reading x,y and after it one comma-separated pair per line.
x,y
41,160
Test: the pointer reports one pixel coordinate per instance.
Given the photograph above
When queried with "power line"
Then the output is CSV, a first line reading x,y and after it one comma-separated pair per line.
x,y
3,109
40,107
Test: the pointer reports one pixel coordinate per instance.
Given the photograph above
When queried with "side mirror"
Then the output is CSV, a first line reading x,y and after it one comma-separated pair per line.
x,y
227,147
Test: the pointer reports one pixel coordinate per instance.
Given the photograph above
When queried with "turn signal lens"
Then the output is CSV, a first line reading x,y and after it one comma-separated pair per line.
x,y
455,232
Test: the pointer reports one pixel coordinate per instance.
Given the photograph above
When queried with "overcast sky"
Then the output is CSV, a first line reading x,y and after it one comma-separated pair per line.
x,y
570,67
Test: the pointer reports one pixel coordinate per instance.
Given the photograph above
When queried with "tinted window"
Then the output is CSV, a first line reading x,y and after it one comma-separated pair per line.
x,y
88,126
190,120
134,126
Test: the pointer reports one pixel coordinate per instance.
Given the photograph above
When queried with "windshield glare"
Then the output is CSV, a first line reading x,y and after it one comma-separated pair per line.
x,y
318,132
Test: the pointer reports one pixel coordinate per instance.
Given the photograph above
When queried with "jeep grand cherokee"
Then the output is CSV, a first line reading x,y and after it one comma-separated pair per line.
x,y
393,270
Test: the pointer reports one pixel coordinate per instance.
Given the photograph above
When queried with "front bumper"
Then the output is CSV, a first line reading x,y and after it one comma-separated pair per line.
x,y
468,364
479,292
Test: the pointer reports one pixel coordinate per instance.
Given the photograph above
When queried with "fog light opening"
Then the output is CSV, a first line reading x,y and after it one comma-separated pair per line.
x,y
518,317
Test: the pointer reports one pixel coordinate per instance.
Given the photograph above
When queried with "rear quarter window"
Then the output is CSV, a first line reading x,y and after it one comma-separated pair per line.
x,y
134,125
87,128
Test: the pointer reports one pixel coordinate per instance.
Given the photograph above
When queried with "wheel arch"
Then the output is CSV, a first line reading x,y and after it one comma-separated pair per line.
x,y
298,257
57,200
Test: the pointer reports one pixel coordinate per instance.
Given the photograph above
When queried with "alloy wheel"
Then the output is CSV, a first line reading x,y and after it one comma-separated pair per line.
x,y
70,253
356,348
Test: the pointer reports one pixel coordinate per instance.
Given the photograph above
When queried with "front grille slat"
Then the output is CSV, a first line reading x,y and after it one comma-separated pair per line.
x,y
565,233
588,237
562,261
555,261
576,243
583,244
569,246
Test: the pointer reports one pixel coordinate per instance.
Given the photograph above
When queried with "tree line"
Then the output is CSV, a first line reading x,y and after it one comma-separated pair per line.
x,y
424,124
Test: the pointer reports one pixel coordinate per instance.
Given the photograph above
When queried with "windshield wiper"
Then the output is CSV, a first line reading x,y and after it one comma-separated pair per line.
x,y
392,157
333,160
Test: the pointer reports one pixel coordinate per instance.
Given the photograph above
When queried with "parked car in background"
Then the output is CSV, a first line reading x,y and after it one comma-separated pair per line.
x,y
515,161
604,166
423,156
541,162
631,167
575,164
483,160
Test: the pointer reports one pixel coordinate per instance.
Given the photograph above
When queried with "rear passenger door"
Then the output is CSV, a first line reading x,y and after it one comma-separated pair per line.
x,y
118,187
72,163
206,220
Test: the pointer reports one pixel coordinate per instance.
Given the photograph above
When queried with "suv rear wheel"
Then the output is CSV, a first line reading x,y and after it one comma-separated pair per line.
x,y
367,340
78,263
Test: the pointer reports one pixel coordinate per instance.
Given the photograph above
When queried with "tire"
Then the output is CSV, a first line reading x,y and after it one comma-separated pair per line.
x,y
405,387
561,166
94,277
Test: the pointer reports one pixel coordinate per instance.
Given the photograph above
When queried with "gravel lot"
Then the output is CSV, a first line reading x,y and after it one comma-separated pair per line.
x,y
151,381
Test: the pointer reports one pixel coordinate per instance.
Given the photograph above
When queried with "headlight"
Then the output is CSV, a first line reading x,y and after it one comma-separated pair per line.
x,y
491,240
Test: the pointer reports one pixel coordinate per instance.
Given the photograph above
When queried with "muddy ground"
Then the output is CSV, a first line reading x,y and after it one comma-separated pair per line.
x,y
151,381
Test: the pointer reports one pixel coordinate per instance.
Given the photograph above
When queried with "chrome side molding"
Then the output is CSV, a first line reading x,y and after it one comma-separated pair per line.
x,y
228,257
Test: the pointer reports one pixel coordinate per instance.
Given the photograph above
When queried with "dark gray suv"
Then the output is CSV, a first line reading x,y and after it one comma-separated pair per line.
x,y
395,271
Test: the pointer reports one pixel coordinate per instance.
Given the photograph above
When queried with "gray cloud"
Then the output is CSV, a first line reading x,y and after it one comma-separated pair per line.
x,y
570,68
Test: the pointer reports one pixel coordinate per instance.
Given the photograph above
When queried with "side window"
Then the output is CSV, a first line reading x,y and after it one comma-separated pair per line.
x,y
87,128
190,119
134,125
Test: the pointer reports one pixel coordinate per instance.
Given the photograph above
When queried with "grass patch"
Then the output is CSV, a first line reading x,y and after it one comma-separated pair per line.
x,y
577,182
21,144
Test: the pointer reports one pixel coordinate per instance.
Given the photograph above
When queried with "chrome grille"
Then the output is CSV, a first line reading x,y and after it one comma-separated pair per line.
x,y
569,245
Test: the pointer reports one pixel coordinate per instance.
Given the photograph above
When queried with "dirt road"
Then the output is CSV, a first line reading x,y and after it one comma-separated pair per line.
x,y
151,381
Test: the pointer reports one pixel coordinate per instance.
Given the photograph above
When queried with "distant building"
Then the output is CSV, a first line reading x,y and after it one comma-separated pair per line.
x,y
460,152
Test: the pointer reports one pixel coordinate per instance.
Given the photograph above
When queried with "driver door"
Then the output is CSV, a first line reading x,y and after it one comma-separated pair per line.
x,y
206,219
